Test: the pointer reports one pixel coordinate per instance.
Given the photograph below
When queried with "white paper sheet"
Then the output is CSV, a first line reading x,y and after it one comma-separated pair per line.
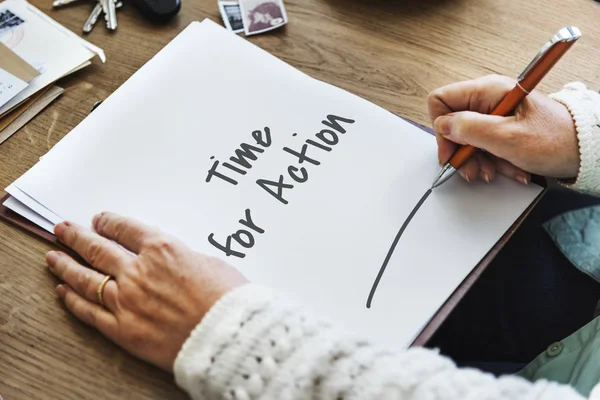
x,y
145,152
32,205
21,209
10,86
49,47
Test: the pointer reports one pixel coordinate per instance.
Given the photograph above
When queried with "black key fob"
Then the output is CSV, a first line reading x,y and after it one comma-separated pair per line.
x,y
158,10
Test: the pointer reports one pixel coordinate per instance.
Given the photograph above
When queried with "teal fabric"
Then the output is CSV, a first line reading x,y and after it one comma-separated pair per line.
x,y
577,234
574,360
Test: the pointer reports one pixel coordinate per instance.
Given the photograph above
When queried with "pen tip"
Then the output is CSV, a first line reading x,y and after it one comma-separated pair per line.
x,y
445,173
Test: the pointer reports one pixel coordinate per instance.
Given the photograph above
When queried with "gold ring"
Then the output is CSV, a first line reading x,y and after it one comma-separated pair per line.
x,y
101,289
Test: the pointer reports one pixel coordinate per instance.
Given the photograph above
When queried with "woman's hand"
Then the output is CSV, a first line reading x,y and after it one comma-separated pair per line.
x,y
160,291
539,138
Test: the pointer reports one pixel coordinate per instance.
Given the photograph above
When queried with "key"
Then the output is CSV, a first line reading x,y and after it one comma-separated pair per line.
x,y
91,20
110,14
104,4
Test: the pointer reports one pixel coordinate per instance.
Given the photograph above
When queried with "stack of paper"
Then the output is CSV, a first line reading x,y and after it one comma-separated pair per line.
x,y
301,185
35,51
15,73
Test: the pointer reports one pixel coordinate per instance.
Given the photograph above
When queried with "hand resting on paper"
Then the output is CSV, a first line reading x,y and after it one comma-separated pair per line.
x,y
160,291
539,138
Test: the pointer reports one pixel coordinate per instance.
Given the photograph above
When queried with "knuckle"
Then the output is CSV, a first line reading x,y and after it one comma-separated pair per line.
x,y
91,315
70,303
72,236
118,229
505,82
61,266
462,126
494,82
84,280
134,275
161,244
135,279
479,92
95,253
480,86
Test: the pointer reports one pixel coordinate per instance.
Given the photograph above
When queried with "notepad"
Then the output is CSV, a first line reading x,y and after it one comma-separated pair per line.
x,y
300,185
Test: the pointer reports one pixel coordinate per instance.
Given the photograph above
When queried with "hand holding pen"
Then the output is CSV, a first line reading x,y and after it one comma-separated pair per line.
x,y
539,137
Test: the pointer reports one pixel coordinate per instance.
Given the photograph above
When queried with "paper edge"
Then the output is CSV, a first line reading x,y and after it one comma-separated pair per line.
x,y
44,101
16,206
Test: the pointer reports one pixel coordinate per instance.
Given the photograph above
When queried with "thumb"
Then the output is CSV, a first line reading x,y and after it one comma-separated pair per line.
x,y
487,132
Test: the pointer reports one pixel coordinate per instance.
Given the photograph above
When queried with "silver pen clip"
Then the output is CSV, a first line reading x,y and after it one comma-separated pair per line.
x,y
566,34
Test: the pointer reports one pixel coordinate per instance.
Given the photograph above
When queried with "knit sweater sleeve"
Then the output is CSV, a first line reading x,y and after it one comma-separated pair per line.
x,y
584,106
254,345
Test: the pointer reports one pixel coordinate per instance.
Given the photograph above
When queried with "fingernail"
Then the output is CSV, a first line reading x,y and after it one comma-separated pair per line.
x,y
442,124
51,258
467,177
60,229
61,290
486,178
523,179
95,221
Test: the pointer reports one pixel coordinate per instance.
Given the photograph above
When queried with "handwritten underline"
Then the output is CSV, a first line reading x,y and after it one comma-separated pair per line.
x,y
393,247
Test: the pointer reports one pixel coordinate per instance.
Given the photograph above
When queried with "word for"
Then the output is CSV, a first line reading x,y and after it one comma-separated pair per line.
x,y
307,154
243,237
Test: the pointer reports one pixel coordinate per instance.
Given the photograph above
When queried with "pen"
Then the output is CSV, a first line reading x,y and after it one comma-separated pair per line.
x,y
541,64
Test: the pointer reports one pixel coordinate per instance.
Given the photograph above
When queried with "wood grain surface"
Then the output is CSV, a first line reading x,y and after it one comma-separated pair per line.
x,y
390,52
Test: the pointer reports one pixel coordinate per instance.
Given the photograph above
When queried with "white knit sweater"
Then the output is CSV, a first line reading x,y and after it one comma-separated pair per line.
x,y
253,345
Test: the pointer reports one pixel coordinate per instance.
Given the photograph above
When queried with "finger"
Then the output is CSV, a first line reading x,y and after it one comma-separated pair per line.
x,y
480,95
90,313
445,148
509,170
470,170
128,232
489,132
487,169
96,250
83,280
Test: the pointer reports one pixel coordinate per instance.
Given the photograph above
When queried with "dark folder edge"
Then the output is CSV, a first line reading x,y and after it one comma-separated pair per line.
x,y
434,323
12,217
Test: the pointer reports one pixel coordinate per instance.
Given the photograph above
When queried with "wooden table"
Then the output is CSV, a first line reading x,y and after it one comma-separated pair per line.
x,y
391,52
